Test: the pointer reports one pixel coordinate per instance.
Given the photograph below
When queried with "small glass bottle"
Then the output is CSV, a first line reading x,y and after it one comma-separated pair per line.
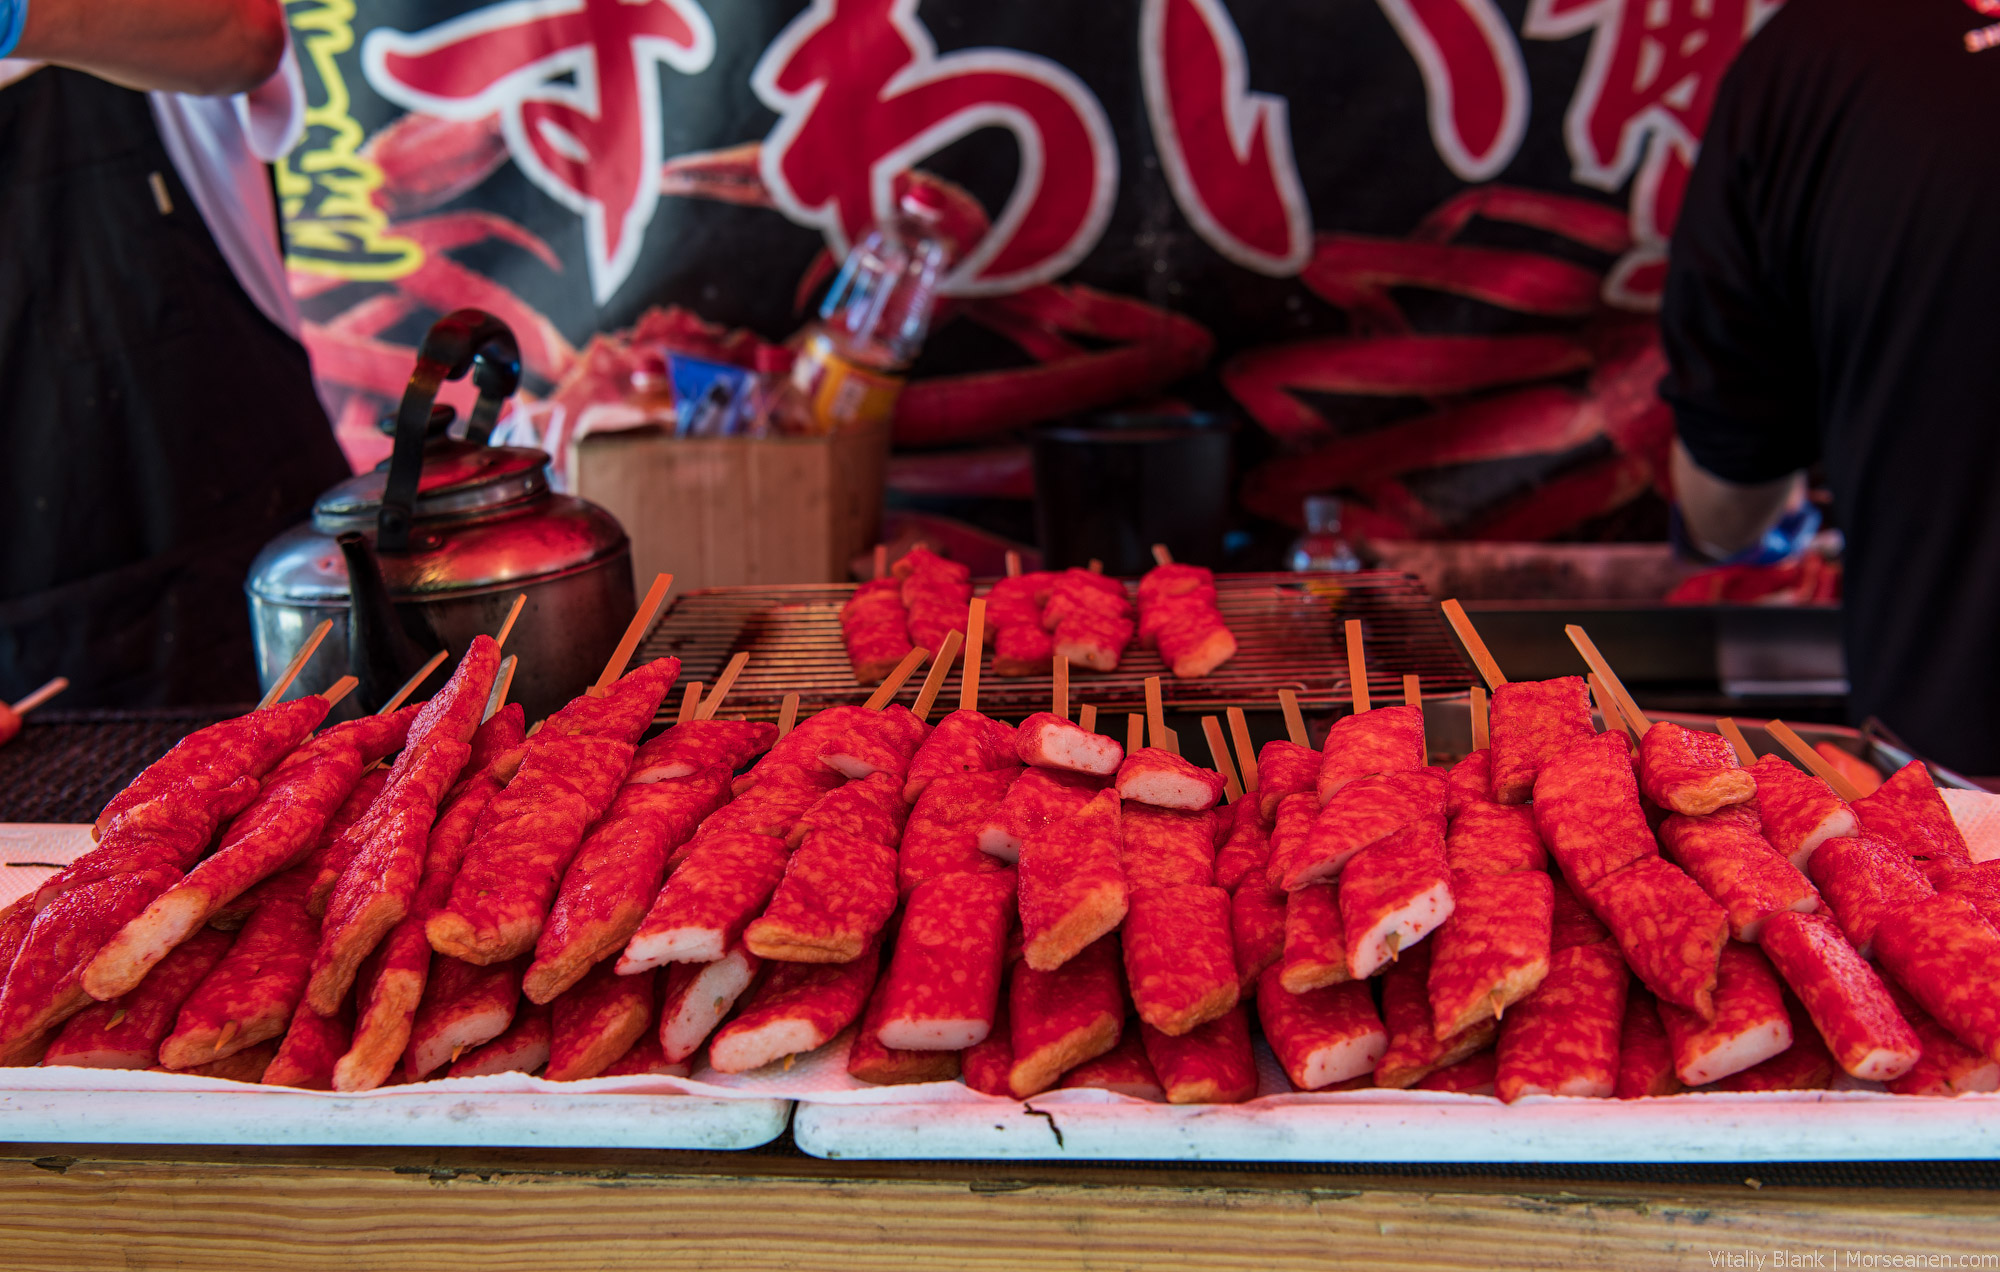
x,y
1321,547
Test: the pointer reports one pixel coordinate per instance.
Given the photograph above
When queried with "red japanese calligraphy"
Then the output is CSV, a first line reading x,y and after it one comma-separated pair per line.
x,y
1227,152
576,84
862,94
1474,77
1639,111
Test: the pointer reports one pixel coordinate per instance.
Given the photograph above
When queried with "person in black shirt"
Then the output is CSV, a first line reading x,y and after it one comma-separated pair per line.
x,y
1831,298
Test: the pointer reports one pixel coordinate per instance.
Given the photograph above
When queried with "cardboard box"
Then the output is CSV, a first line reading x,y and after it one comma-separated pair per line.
x,y
730,511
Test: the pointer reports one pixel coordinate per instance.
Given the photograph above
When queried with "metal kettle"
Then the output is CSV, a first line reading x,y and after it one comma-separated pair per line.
x,y
431,548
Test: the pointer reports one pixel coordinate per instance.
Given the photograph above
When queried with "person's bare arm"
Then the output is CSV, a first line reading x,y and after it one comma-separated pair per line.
x,y
204,47
1724,517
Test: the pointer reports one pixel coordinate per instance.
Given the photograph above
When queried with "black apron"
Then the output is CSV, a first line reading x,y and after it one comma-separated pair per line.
x,y
156,429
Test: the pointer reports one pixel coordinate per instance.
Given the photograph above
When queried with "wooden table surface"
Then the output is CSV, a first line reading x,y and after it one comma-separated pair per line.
x,y
361,1210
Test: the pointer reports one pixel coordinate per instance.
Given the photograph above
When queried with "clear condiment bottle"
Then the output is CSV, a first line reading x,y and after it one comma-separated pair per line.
x,y
1322,547
850,364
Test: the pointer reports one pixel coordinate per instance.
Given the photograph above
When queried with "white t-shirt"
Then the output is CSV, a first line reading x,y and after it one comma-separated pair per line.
x,y
219,146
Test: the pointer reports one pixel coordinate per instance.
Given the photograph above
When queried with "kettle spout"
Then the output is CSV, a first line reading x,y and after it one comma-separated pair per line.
x,y
386,642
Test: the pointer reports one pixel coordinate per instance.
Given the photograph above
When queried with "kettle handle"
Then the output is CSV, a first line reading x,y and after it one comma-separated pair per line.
x,y
465,339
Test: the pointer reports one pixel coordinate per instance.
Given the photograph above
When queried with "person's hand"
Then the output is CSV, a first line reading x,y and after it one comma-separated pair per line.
x,y
204,47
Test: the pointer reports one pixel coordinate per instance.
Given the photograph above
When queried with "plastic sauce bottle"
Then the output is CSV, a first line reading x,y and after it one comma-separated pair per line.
x,y
1322,547
849,368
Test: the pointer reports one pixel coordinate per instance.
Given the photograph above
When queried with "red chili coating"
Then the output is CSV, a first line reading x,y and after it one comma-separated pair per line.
x,y
1286,768
125,1033
1848,1003
1322,1036
1489,838
1193,640
1471,781
1062,1018
1246,851
312,1046
1908,811
1573,923
345,832
1162,779
248,1065
1947,1066
615,876
522,1048
1315,952
797,1007
464,1005
869,1060
1493,950
1948,958
1072,887
870,809
874,626
1180,960
1750,1024
942,834
597,1020
248,996
1160,848
1732,861
1861,878
1980,885
836,894
1799,811
962,742
1393,894
1296,814
1563,1038
1257,931
987,1067
718,890
1415,1050
1645,1055
1124,1069
943,983
694,997
1385,740
1037,799
1804,1066
771,807
1014,617
1209,1065
1022,649
645,1059
1587,810
699,745
1471,1076
1690,771
1365,810
1092,641
208,760
1668,929
884,741
1047,740
1532,722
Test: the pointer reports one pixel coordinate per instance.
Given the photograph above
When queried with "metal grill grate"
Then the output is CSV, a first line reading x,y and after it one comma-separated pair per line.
x,y
66,765
1288,628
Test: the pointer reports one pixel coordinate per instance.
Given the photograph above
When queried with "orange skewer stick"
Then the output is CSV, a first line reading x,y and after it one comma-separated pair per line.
x,y
1086,717
1633,716
690,702
1156,718
1013,564
1059,698
1728,728
1357,666
1479,739
1218,749
333,693
635,631
975,641
1135,733
1468,636
723,684
1815,762
1246,755
507,624
294,667
881,560
401,696
1413,691
1295,723
788,713
503,683
54,687
1607,706
1161,556
934,679
892,684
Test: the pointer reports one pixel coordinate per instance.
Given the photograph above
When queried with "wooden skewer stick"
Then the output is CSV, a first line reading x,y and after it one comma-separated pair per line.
x,y
1246,755
1059,698
1357,666
41,695
1607,706
1135,733
1161,556
788,713
1218,749
1813,760
1013,564
410,686
881,560
1479,738
892,684
503,682
1086,717
1295,724
507,626
1156,718
723,684
1413,691
934,681
1633,716
1728,728
1468,636
296,665
333,693
635,631
690,702
975,645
